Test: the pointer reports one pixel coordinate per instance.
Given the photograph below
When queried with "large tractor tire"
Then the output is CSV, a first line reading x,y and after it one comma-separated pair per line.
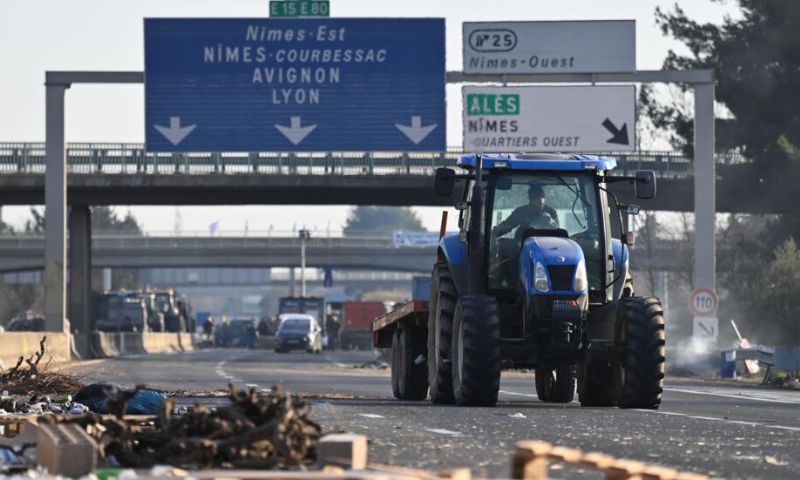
x,y
557,385
409,369
476,352
598,384
440,333
641,333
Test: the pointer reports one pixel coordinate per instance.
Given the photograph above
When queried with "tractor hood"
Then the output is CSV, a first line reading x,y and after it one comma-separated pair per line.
x,y
561,259
553,250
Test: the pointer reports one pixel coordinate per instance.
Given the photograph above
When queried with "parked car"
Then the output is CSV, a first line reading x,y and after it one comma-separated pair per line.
x,y
26,322
298,331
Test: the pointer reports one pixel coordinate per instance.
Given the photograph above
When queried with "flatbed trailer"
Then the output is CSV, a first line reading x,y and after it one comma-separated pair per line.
x,y
405,331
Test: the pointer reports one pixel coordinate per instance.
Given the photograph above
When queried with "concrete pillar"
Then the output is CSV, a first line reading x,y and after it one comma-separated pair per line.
x,y
704,188
55,198
80,268
291,281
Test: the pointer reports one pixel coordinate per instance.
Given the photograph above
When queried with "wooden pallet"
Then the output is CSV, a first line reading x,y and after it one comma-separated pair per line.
x,y
532,460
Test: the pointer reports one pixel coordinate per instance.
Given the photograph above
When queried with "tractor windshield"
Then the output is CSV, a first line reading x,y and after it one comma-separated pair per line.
x,y
546,201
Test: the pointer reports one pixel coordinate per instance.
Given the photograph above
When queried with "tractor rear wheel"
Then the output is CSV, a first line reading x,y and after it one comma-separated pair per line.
x,y
641,333
476,357
440,333
409,370
556,385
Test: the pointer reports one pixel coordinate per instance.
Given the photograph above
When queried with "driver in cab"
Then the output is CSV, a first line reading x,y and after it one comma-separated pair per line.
x,y
536,214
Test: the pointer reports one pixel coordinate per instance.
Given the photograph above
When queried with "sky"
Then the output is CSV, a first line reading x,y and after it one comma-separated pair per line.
x,y
41,35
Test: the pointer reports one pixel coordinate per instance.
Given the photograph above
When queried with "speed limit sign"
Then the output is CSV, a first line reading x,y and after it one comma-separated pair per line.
x,y
703,302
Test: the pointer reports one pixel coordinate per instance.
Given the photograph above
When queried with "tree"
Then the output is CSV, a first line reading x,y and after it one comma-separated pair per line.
x,y
777,296
755,59
365,220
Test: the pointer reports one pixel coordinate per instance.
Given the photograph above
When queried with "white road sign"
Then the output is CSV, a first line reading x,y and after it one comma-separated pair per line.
x,y
550,47
706,328
703,302
549,119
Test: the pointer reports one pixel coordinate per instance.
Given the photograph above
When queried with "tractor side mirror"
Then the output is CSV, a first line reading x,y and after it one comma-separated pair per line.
x,y
444,182
645,185
461,205
632,209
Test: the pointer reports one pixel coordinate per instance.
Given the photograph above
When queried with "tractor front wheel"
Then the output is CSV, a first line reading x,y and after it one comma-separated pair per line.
x,y
640,332
556,385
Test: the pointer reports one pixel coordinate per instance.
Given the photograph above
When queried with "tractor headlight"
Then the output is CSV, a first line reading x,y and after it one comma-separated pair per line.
x,y
580,277
540,278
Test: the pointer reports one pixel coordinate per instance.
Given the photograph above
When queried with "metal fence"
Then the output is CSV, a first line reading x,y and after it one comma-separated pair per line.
x,y
131,158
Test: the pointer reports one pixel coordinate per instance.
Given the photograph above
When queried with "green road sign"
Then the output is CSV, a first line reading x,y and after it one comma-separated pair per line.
x,y
299,8
491,104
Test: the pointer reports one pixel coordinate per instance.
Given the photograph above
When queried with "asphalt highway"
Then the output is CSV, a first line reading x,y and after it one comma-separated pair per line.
x,y
724,431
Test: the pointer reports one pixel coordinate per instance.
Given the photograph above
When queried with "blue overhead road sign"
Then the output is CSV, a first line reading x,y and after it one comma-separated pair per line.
x,y
366,84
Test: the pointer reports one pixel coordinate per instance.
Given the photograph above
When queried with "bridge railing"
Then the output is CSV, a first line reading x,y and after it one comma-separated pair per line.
x,y
131,158
36,242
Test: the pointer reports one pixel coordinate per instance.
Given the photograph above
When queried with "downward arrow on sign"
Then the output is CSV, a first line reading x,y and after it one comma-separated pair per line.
x,y
709,330
416,132
294,132
175,133
620,136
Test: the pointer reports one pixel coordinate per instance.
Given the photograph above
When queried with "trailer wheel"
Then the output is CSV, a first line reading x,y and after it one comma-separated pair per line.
x,y
598,385
440,334
475,352
396,364
641,333
556,385
412,369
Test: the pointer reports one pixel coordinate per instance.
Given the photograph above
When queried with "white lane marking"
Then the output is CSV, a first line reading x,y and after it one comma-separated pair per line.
x,y
529,395
442,431
725,420
741,396
370,415
520,394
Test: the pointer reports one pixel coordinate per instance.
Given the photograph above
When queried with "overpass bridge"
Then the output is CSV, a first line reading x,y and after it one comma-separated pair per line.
x,y
125,174
26,253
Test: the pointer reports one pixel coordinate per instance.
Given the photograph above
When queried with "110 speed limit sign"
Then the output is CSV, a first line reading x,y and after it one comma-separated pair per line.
x,y
703,302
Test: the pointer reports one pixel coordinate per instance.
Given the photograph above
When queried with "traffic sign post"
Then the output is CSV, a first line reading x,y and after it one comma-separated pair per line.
x,y
703,302
367,84
550,118
550,47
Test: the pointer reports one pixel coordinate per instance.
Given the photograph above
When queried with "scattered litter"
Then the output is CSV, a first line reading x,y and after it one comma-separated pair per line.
x,y
517,415
773,461
28,377
254,432
101,397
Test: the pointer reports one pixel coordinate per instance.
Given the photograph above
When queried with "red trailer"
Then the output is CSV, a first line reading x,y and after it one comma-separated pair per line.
x,y
356,326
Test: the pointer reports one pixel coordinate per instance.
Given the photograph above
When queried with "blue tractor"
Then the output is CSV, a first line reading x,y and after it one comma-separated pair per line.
x,y
537,279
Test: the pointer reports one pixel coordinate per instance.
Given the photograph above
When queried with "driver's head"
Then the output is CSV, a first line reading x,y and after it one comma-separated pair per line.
x,y
536,196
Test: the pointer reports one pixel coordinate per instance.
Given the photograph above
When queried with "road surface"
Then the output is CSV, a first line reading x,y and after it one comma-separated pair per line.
x,y
728,432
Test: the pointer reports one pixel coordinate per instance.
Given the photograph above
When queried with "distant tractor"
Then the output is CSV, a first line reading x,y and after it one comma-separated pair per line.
x,y
533,280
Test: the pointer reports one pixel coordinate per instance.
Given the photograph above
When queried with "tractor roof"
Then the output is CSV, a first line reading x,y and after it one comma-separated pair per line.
x,y
533,162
